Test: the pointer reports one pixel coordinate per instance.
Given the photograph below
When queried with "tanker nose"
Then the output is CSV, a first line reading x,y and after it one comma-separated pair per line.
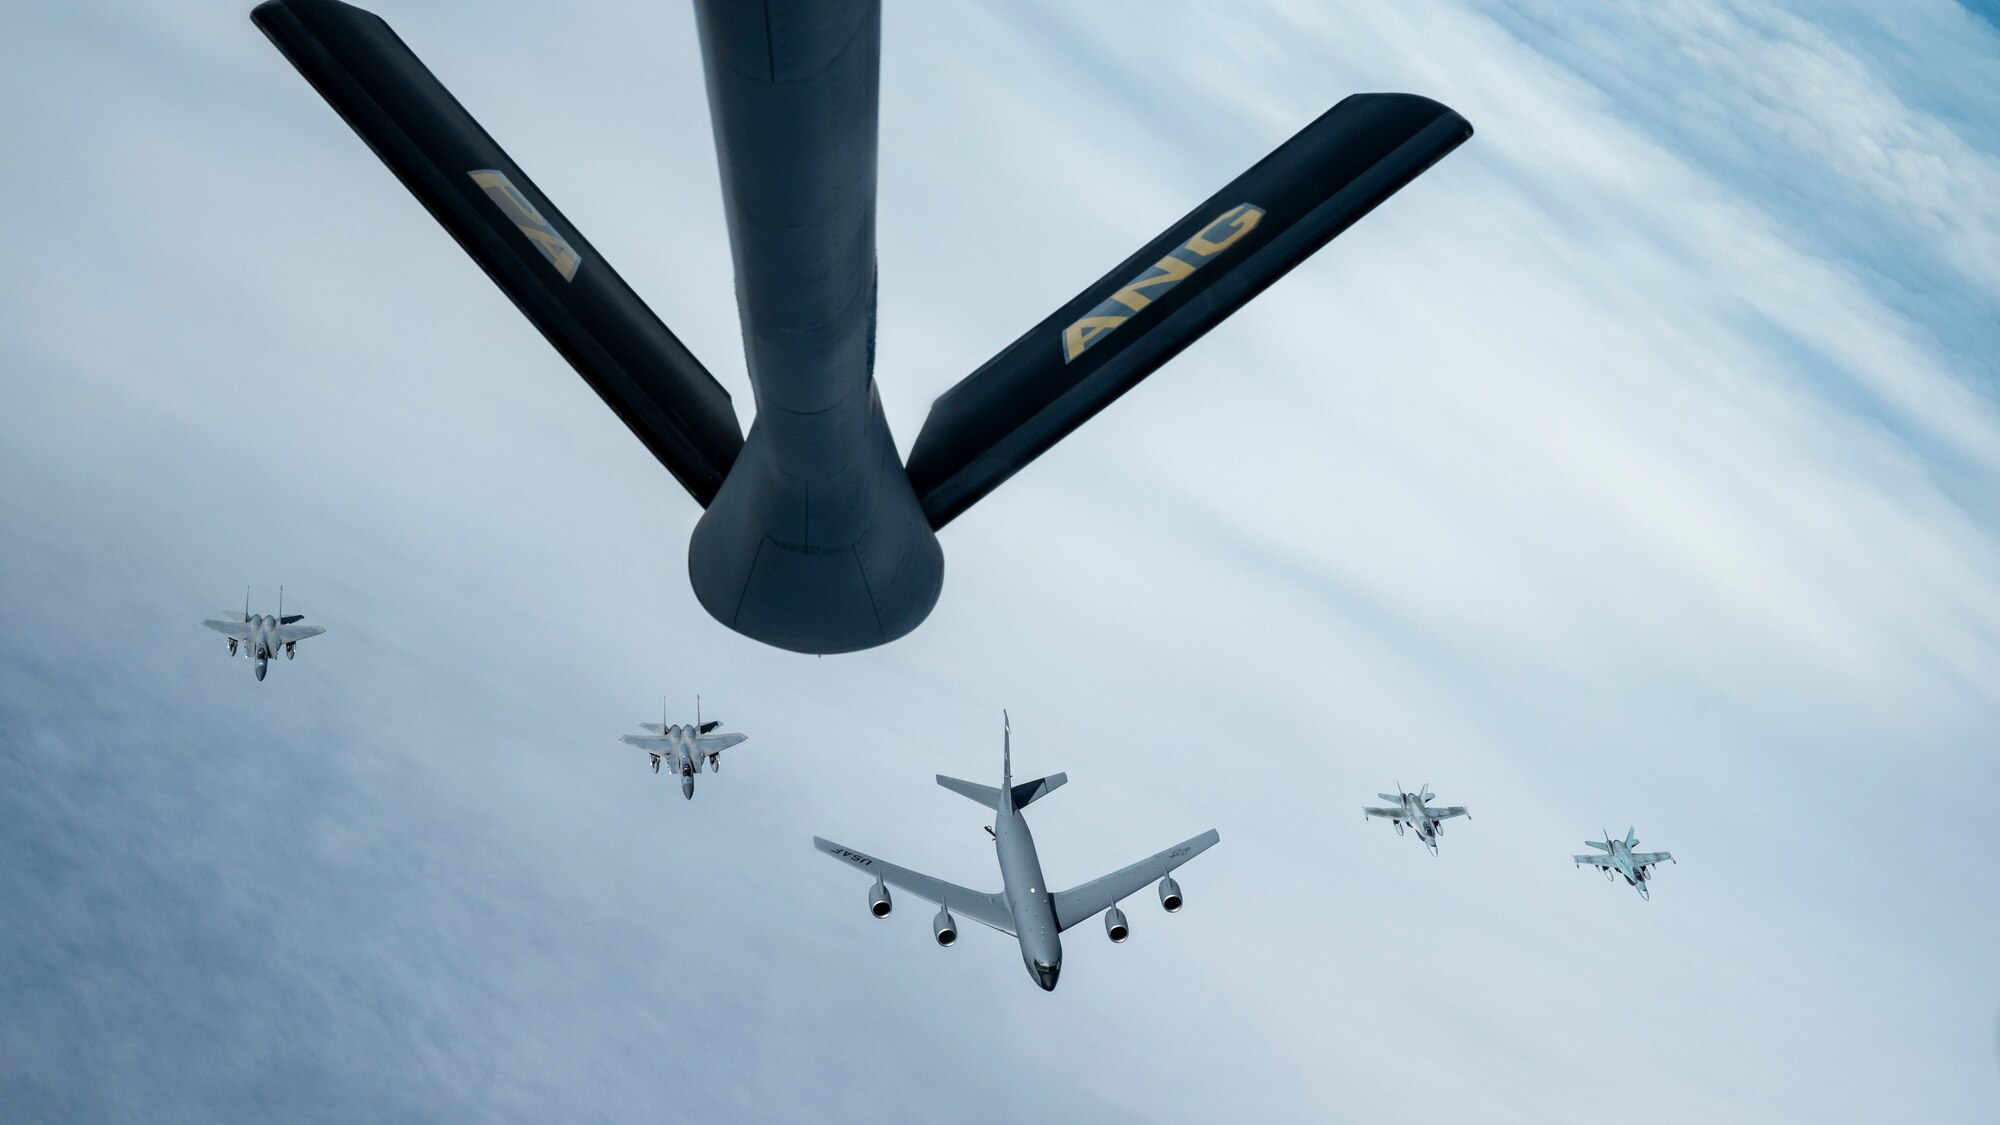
x,y
1046,974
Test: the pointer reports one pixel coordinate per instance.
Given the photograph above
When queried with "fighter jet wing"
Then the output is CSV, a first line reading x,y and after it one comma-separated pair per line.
x,y
1647,859
1447,812
237,629
646,741
1598,860
1382,812
1074,905
987,910
712,743
292,634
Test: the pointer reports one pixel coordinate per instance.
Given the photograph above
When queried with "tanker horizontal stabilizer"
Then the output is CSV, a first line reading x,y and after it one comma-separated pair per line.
x,y
552,273
1180,285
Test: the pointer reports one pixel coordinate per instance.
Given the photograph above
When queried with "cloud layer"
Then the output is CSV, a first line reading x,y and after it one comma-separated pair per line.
x,y
1633,467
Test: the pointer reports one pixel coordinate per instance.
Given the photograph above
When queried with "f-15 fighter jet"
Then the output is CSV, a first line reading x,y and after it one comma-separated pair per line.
x,y
817,536
1620,859
1024,908
1413,809
260,636
686,748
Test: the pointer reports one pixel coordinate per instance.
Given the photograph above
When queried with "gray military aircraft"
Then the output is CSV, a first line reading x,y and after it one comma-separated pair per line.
x,y
261,636
1620,859
1414,810
817,536
1024,908
686,748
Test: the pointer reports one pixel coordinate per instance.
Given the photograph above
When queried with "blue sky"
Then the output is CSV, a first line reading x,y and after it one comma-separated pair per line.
x,y
1636,466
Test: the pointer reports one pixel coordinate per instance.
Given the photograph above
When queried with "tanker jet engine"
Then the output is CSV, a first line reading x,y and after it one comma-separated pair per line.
x,y
1620,859
1023,908
816,536
260,636
686,749
1413,809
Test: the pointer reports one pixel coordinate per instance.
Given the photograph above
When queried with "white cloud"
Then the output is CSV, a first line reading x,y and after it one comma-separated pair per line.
x,y
1586,480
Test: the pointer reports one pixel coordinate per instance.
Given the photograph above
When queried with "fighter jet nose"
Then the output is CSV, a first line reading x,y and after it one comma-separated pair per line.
x,y
261,669
687,790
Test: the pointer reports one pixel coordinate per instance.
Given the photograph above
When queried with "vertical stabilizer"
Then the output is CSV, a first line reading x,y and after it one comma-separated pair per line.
x,y
1006,763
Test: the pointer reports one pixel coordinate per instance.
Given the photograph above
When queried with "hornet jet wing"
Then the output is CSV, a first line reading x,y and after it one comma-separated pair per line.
x,y
1383,812
1596,859
1447,812
987,910
1648,859
1098,895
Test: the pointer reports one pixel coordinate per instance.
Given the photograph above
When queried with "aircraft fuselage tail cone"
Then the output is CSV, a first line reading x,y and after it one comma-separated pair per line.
x,y
817,538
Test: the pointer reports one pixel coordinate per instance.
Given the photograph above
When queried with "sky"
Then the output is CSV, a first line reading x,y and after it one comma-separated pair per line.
x,y
1638,465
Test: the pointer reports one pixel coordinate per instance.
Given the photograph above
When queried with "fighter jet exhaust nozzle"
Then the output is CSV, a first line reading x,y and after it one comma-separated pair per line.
x,y
1170,894
1115,926
944,929
878,900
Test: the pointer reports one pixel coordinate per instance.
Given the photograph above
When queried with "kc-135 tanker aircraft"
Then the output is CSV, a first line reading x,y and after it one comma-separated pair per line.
x,y
816,536
1024,908
261,636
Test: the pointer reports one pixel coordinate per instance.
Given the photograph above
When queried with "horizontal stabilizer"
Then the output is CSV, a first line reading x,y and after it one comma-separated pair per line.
x,y
983,794
1025,794
1166,296
1028,792
1598,844
554,276
1396,797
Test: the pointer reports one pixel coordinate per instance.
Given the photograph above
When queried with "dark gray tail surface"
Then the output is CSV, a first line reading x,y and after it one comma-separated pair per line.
x,y
552,273
1180,285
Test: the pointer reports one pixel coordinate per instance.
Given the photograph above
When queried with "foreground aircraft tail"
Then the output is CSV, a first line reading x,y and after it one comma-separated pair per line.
x,y
555,277
1020,796
1017,796
1177,287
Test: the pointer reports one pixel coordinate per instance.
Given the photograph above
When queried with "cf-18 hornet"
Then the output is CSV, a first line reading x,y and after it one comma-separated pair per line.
x,y
1413,809
1024,908
1618,858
